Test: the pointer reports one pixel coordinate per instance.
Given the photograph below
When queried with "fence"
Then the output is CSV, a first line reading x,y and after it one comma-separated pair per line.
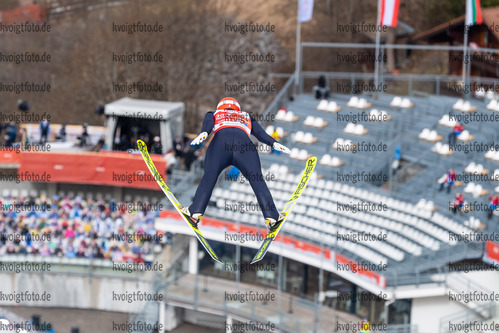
x,y
383,78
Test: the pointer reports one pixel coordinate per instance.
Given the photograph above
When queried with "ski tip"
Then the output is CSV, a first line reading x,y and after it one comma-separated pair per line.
x,y
214,257
141,144
255,260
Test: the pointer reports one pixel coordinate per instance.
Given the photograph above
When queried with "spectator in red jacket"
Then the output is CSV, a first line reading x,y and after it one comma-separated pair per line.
x,y
456,131
450,179
458,202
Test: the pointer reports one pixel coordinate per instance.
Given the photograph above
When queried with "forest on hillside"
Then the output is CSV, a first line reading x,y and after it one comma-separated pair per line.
x,y
196,49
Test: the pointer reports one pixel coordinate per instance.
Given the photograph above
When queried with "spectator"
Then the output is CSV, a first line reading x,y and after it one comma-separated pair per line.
x,y
73,225
81,252
179,146
11,249
58,251
84,136
44,131
493,203
275,135
62,133
24,134
22,106
157,148
171,162
11,133
45,252
129,144
396,161
147,254
458,202
321,91
456,130
70,253
449,179
189,156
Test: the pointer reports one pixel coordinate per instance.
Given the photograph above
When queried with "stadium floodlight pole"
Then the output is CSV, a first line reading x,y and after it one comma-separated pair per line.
x,y
298,55
376,60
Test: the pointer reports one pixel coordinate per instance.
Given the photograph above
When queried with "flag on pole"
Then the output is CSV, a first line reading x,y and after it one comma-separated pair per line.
x,y
473,12
305,10
389,12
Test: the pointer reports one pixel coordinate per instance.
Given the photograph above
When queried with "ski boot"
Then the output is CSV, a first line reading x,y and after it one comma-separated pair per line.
x,y
272,224
193,218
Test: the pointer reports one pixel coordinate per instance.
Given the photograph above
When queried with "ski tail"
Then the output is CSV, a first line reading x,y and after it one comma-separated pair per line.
x,y
307,174
157,176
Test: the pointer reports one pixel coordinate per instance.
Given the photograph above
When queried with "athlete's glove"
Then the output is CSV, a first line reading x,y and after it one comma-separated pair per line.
x,y
200,138
278,146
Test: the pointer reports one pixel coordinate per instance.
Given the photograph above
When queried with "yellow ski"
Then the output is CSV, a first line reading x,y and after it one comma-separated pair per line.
x,y
150,164
271,235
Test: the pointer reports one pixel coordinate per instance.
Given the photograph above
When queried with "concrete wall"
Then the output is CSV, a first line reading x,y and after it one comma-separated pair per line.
x,y
118,193
426,312
75,291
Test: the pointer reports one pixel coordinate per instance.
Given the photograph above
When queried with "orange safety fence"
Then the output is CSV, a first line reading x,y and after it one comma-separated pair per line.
x,y
103,168
9,156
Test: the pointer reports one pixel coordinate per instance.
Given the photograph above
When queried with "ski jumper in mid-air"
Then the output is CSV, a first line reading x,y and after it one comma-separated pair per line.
x,y
231,145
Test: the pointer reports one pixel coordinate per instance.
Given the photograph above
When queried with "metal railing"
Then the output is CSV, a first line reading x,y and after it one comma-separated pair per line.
x,y
89,267
434,84
58,10
383,77
482,313
402,328
201,296
415,270
280,99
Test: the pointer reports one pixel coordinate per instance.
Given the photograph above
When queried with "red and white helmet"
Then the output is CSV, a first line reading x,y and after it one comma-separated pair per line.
x,y
228,103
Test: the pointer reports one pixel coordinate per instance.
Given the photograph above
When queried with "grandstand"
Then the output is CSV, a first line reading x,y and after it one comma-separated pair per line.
x,y
420,244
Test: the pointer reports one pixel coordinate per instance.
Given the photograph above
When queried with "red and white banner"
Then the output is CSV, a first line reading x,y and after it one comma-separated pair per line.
x,y
389,12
